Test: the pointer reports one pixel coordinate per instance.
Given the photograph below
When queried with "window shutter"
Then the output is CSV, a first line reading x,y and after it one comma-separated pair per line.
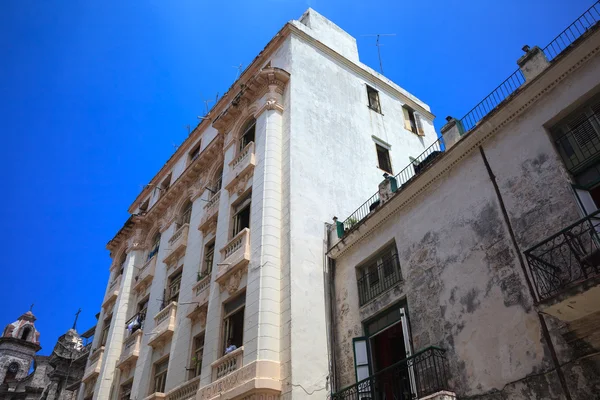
x,y
406,119
585,200
420,130
361,358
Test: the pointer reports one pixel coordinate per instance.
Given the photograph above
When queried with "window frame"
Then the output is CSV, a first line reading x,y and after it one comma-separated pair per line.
x,y
174,281
208,258
194,153
243,142
197,354
105,329
382,150
122,389
227,317
162,375
238,208
375,102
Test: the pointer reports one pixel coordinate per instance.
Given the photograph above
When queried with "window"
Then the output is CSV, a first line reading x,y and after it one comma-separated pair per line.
x,y
126,391
378,274
195,152
144,205
383,156
122,263
373,96
218,182
105,328
155,245
197,353
186,213
241,215
412,121
248,135
160,376
166,183
209,256
233,322
174,286
26,332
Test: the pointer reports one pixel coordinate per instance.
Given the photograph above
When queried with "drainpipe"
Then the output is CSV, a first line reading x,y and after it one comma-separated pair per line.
x,y
330,288
544,326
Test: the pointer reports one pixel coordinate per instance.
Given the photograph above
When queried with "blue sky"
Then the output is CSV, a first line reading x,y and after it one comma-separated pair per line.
x,y
96,94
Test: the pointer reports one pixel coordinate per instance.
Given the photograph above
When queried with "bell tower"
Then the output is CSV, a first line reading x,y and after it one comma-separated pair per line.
x,y
18,345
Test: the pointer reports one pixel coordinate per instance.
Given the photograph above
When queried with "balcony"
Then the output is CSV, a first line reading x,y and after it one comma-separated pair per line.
x,y
241,167
424,374
201,292
145,275
227,364
177,244
186,391
566,270
94,365
211,210
131,350
164,325
377,280
236,256
113,291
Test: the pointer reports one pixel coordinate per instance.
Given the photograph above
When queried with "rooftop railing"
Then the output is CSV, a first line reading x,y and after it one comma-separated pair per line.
x,y
496,98
417,376
566,258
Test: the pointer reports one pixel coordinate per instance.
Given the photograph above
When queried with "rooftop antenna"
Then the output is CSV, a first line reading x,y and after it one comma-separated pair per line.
x,y
239,70
378,44
76,318
188,129
205,109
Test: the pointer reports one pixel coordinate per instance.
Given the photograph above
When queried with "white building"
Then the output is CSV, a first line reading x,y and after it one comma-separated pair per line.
x,y
227,240
479,278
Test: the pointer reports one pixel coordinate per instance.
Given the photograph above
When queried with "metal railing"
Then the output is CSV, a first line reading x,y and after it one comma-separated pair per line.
x,y
566,258
136,322
376,279
418,165
493,100
417,376
573,32
581,144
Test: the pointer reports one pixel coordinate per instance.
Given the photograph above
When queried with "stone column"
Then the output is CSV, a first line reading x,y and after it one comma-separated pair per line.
x,y
263,299
116,334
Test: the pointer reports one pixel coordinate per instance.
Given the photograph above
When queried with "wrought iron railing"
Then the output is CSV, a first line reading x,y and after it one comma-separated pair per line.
x,y
566,258
416,166
573,31
378,278
581,144
417,376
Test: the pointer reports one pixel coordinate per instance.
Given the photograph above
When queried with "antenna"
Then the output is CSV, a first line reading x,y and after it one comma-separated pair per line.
x,y
188,128
239,72
379,45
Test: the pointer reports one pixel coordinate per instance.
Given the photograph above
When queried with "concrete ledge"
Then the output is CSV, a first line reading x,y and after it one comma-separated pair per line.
x,y
441,395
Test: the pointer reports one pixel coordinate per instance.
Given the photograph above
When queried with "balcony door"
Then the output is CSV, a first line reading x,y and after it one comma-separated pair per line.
x,y
387,346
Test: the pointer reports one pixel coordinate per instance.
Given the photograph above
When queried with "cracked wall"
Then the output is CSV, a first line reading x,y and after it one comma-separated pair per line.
x,y
463,282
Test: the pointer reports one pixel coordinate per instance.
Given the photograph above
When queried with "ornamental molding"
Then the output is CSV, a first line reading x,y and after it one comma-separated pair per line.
x,y
240,182
231,283
269,79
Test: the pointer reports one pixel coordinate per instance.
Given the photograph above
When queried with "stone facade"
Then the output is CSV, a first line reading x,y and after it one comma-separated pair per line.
x,y
227,239
460,230
54,377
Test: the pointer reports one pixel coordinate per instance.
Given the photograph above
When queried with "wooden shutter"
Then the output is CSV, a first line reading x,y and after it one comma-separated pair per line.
x,y
586,203
420,130
406,119
361,358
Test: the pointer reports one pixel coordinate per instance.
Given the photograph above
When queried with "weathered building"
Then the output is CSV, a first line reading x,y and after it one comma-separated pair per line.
x,y
24,375
475,271
216,288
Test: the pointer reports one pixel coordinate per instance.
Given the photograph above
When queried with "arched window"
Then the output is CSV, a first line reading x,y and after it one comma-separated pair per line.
x,y
155,245
186,213
25,333
11,372
248,134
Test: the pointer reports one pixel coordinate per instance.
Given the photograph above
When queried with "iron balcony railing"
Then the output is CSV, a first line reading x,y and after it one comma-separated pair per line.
x,y
378,278
416,166
581,145
573,31
417,376
567,258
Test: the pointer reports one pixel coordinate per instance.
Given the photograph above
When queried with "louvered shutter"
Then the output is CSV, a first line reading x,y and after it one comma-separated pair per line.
x,y
420,130
406,119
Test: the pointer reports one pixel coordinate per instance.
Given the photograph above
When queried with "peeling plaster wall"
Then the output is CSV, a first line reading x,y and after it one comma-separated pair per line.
x,y
463,282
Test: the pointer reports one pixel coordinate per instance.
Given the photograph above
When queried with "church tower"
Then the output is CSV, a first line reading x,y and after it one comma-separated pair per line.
x,y
18,345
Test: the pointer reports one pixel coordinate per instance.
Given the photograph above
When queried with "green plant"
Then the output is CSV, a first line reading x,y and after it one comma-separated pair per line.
x,y
350,222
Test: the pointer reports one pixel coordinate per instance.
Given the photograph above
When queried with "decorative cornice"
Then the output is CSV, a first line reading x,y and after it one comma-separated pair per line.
x,y
522,100
268,79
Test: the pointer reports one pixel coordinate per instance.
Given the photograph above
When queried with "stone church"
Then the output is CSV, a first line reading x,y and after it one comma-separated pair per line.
x,y
24,375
